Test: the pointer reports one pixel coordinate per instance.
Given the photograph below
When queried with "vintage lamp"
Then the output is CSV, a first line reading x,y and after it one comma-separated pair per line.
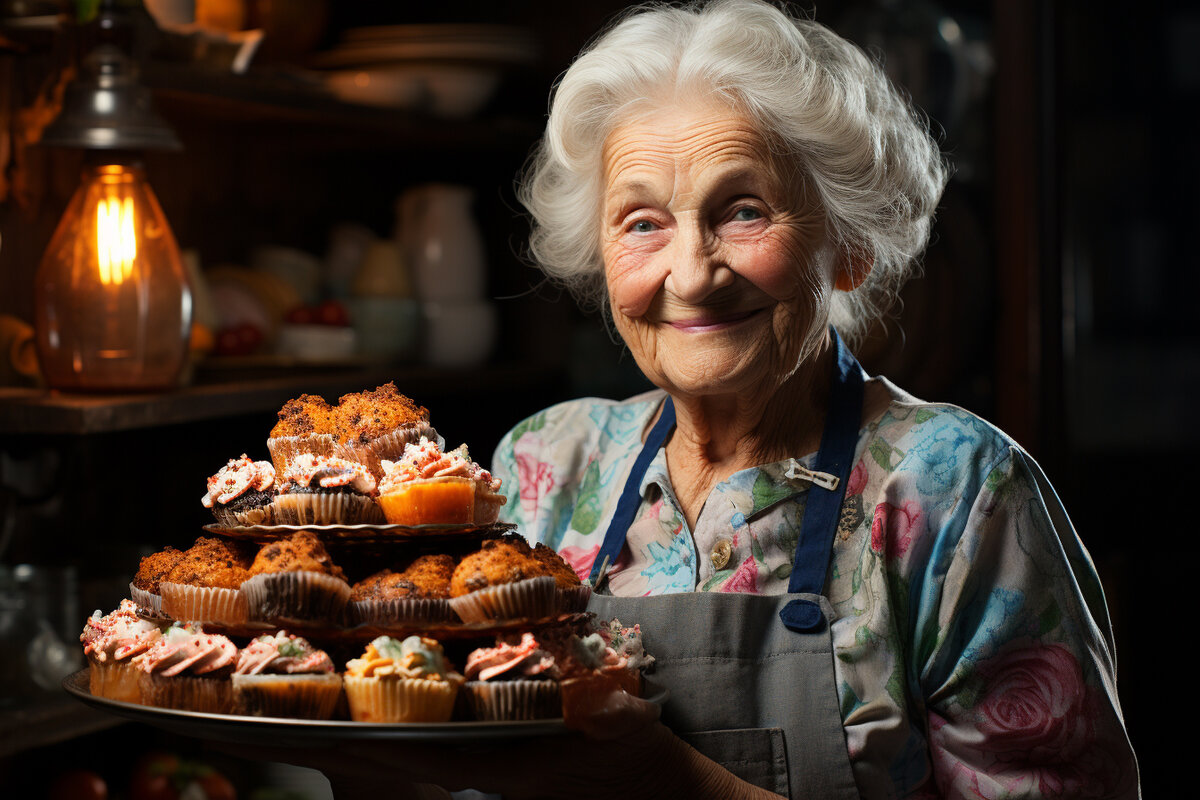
x,y
113,305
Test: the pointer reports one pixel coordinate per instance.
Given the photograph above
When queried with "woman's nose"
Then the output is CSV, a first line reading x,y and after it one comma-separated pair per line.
x,y
696,268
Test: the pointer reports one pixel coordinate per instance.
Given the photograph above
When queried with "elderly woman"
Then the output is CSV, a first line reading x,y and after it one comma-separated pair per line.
x,y
849,591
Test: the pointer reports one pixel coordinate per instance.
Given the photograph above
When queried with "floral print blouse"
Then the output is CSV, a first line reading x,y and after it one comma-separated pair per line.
x,y
974,654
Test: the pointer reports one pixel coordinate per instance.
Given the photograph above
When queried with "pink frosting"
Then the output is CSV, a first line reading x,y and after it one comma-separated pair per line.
x,y
183,650
282,654
119,635
328,472
424,459
524,660
236,478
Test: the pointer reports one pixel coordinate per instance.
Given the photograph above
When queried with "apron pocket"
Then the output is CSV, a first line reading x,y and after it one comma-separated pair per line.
x,y
756,755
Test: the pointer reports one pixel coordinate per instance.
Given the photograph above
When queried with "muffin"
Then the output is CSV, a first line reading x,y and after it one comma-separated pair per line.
x,y
418,593
371,426
111,643
570,592
150,573
295,579
429,487
280,675
189,670
241,492
401,681
205,585
515,680
326,490
502,580
305,425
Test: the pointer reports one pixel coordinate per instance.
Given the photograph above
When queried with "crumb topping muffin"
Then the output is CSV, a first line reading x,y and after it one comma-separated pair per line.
x,y
154,568
218,563
556,566
300,552
428,576
499,561
364,416
305,415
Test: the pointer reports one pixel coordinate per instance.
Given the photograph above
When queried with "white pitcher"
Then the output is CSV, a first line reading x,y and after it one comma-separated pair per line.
x,y
436,228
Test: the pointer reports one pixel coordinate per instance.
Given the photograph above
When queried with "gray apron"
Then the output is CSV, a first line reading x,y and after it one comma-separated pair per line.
x,y
751,678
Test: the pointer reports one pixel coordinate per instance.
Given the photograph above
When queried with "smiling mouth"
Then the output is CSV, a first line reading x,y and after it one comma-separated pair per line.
x,y
713,323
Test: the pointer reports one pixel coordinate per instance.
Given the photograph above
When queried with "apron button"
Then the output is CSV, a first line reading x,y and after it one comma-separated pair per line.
x,y
721,552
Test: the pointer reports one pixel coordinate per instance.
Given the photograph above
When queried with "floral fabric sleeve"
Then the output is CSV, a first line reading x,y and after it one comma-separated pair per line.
x,y
1015,655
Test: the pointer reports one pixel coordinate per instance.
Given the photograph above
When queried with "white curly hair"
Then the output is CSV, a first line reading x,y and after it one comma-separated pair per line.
x,y
858,144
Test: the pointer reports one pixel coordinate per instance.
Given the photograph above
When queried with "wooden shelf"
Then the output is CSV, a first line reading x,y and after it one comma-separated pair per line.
x,y
44,412
49,721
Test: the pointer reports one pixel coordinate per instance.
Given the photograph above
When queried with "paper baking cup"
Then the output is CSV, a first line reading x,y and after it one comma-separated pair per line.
x,y
305,696
390,446
284,449
115,680
514,700
308,596
203,603
187,693
325,508
259,515
415,610
148,603
573,599
532,598
388,699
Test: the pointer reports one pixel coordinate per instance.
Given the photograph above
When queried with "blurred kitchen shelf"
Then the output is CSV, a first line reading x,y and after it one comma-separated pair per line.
x,y
233,391
49,721
299,107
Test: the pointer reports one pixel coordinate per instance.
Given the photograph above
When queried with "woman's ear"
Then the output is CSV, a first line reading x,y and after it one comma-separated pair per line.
x,y
853,268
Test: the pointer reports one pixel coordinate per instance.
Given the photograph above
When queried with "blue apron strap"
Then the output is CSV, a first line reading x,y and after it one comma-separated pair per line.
x,y
823,508
631,495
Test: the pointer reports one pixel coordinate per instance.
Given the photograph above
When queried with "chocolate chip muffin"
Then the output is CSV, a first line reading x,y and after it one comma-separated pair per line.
x,y
502,580
205,584
417,593
295,579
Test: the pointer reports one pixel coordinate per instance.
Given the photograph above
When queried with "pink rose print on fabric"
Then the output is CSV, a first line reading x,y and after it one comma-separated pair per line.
x,y
857,480
893,529
745,579
536,479
1032,733
580,559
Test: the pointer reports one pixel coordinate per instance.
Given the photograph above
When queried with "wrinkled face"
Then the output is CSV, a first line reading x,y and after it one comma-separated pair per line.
x,y
717,264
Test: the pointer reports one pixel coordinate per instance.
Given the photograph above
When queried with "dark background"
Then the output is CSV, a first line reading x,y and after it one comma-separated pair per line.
x,y
1057,298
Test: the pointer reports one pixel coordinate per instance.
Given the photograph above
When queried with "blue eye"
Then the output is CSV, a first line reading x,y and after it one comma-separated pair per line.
x,y
642,226
746,214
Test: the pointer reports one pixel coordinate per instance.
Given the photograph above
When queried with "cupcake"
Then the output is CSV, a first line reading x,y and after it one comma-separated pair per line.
x,y
281,675
326,490
150,573
570,592
188,669
419,593
111,642
429,487
241,492
371,426
592,667
205,585
295,579
514,680
502,580
401,681
305,425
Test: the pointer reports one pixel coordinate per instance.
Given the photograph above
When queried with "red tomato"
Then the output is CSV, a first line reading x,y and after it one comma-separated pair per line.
x,y
79,784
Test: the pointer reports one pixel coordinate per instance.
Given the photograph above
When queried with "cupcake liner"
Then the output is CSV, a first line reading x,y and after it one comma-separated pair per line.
x,y
304,696
448,500
415,610
400,699
325,508
390,446
284,449
307,596
115,680
203,603
487,507
573,599
514,700
148,602
187,693
532,598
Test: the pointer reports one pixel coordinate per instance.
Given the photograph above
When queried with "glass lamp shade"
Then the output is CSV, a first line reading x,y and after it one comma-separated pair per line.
x,y
113,305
